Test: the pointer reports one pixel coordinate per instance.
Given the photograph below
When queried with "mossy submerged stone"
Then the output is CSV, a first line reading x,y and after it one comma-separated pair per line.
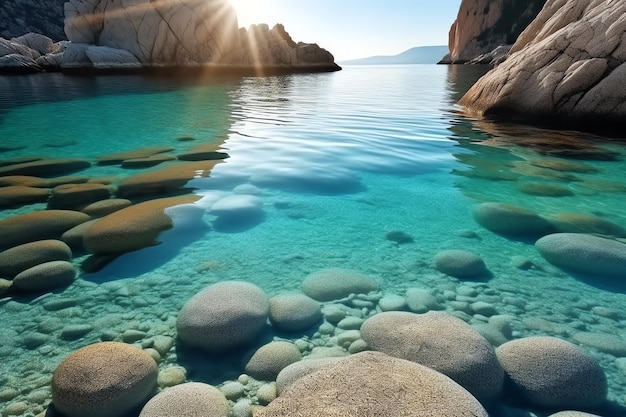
x,y
551,372
133,227
45,276
46,224
373,384
507,219
224,316
105,379
584,253
21,257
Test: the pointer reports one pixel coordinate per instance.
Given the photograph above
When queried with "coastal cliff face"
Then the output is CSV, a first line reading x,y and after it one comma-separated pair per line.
x,y
569,66
483,25
165,32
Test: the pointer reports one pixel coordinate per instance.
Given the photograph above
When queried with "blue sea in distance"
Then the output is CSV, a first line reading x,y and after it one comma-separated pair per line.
x,y
339,160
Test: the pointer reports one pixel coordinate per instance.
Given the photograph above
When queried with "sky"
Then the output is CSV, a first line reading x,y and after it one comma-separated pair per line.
x,y
352,29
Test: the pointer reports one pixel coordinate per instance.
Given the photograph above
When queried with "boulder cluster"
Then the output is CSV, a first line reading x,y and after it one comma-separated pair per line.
x,y
383,364
106,35
102,216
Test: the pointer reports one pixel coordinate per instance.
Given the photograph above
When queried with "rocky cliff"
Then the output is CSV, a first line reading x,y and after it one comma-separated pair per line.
x,y
135,34
568,66
483,25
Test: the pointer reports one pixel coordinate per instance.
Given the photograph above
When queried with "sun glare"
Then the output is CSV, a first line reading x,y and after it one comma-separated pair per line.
x,y
250,11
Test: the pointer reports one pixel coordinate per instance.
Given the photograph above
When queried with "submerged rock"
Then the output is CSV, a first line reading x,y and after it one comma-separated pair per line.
x,y
192,399
441,342
373,384
550,372
584,253
461,264
336,283
507,219
224,316
105,379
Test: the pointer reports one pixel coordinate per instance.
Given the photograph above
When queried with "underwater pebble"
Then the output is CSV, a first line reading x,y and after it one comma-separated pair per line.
x,y
233,390
326,328
421,300
171,376
461,315
75,331
327,352
483,308
162,344
7,394
607,312
466,291
108,336
489,332
38,396
345,339
242,408
15,409
154,354
606,343
357,346
50,325
34,340
362,304
333,313
132,336
266,393
243,379
350,323
60,304
392,302
620,364
463,306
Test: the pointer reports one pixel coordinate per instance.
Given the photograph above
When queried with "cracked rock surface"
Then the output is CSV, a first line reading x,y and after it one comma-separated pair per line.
x,y
569,65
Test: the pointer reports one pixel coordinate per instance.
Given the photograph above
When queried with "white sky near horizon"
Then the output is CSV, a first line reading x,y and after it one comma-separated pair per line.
x,y
352,29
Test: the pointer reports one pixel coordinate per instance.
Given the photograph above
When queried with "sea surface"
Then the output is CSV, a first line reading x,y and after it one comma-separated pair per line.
x,y
338,160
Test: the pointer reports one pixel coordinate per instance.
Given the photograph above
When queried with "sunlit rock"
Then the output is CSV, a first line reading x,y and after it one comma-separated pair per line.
x,y
569,65
163,32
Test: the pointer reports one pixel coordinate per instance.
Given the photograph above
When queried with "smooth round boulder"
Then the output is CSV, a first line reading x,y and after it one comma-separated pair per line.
x,y
224,316
460,264
441,342
293,312
572,413
585,223
270,359
74,237
104,207
47,167
336,283
40,225
106,379
584,253
507,219
191,399
551,372
119,157
17,195
45,276
370,384
133,227
291,373
21,257
72,196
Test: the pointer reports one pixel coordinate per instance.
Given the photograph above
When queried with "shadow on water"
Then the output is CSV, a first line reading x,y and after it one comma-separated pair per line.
x,y
139,262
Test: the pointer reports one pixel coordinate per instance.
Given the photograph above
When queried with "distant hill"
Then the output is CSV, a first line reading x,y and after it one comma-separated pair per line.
x,y
417,55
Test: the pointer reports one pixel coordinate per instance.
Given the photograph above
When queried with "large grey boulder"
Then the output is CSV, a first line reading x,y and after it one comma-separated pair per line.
x,y
335,283
224,316
584,253
105,379
373,384
569,65
551,372
441,342
192,399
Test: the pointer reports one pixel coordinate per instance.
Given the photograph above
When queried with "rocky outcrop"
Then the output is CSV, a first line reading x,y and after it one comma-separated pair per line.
x,y
265,47
179,32
483,25
568,66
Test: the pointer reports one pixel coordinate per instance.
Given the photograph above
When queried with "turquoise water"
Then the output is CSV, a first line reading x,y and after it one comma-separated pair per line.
x,y
338,160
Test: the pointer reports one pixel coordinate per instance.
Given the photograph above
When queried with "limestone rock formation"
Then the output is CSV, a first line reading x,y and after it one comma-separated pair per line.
x,y
569,66
165,32
483,25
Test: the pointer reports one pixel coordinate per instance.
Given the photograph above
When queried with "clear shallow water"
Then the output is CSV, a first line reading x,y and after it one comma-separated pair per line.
x,y
341,159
